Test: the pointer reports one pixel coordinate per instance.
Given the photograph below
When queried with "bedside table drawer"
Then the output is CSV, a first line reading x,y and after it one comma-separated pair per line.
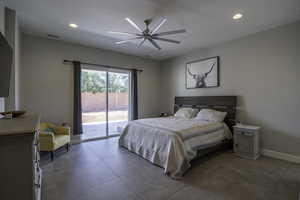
x,y
243,132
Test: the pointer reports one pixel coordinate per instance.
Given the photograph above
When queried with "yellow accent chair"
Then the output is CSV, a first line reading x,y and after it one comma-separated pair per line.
x,y
52,137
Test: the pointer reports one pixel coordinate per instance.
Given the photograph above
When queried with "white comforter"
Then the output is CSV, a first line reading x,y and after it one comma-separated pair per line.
x,y
170,142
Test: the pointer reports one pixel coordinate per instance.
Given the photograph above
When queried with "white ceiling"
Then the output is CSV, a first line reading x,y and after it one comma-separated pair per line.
x,y
208,22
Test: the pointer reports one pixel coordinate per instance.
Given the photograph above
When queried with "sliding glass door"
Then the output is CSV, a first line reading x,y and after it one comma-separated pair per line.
x,y
118,101
105,102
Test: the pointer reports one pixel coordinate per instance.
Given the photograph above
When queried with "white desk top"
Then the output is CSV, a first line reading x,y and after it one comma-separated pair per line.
x,y
21,125
245,126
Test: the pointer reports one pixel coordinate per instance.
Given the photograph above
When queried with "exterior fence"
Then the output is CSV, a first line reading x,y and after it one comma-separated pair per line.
x,y
97,102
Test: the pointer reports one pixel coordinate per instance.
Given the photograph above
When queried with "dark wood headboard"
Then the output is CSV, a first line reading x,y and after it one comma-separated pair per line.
x,y
220,103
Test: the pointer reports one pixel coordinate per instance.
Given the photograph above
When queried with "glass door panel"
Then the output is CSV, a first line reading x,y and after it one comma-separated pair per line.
x,y
118,101
94,103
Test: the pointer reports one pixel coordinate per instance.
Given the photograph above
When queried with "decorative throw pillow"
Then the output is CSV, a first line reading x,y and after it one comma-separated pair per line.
x,y
187,113
211,115
218,116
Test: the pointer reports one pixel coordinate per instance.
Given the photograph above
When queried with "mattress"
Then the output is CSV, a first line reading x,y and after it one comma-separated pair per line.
x,y
204,141
171,142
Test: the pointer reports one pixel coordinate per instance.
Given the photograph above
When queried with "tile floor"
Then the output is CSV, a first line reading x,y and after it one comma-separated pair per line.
x,y
100,170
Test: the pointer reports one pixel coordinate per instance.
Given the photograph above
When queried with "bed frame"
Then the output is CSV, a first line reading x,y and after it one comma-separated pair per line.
x,y
220,103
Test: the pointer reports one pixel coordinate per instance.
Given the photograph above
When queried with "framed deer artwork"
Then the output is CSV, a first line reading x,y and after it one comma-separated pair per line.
x,y
202,73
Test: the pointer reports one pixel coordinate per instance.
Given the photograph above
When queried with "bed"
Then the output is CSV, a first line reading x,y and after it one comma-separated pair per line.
x,y
172,142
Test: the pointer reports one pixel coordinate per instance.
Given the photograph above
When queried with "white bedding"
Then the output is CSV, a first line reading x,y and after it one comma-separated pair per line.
x,y
171,142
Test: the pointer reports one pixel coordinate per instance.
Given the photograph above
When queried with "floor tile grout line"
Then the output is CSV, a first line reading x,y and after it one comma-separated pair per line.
x,y
104,162
120,178
177,191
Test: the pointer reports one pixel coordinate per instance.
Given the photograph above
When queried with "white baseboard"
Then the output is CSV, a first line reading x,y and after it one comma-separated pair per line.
x,y
75,139
281,156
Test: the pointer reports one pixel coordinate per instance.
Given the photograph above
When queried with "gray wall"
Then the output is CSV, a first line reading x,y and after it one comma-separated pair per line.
x,y
263,70
46,84
2,30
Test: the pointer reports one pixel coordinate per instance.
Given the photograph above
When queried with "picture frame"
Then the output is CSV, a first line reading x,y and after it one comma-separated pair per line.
x,y
202,73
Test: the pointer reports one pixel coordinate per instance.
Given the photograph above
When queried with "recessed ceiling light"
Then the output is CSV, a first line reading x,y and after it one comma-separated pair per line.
x,y
237,16
73,25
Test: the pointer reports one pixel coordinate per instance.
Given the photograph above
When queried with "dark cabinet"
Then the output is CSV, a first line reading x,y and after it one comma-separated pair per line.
x,y
20,172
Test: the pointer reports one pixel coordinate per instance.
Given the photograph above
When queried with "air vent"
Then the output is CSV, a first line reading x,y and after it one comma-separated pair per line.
x,y
53,36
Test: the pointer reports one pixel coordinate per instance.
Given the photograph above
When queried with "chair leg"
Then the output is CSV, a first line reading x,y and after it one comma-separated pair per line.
x,y
52,155
68,146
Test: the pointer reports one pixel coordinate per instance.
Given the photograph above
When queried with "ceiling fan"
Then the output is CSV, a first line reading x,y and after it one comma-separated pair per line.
x,y
149,34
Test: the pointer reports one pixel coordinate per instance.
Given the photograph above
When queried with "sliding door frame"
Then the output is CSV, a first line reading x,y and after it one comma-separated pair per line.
x,y
107,70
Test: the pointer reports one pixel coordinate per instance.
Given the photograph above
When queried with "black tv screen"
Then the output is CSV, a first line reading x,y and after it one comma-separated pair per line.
x,y
6,57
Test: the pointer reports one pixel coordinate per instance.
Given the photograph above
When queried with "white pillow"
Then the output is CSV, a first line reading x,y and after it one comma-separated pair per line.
x,y
187,113
211,115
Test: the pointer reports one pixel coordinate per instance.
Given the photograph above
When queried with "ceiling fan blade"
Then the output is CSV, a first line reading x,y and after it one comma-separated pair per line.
x,y
166,40
159,25
154,44
124,33
170,32
134,25
124,41
142,42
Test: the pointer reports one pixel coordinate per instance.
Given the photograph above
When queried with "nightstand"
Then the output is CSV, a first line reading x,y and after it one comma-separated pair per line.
x,y
246,141
164,115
